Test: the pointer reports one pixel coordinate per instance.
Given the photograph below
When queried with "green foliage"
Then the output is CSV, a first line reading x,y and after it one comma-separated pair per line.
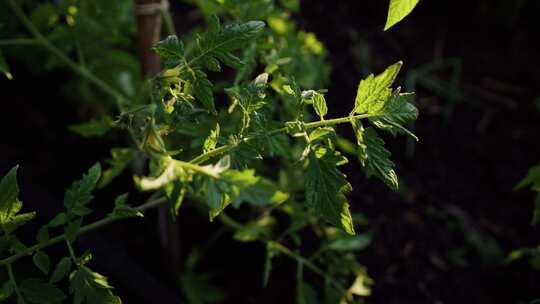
x,y
326,187
91,288
398,10
259,142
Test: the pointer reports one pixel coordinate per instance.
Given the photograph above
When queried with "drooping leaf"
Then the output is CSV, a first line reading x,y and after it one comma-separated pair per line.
x,y
396,114
93,128
40,292
42,261
271,253
397,10
122,210
61,270
90,287
326,187
176,192
375,159
80,192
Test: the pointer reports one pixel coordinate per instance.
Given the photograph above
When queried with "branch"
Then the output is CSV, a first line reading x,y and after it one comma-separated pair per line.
x,y
82,71
230,222
84,229
330,122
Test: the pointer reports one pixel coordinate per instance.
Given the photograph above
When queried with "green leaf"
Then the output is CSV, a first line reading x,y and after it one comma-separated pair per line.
x,y
6,290
202,89
42,261
72,230
93,128
398,10
4,69
351,243
376,159
307,294
374,91
91,288
79,193
255,230
61,270
18,220
211,141
59,220
271,252
326,187
263,193
9,202
395,114
171,51
176,192
218,43
121,157
122,210
199,290
532,179
40,292
319,103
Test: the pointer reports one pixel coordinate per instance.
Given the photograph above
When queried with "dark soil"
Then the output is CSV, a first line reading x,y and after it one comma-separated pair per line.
x,y
442,239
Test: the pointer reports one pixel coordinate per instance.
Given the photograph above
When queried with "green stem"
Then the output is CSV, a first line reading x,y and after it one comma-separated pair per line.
x,y
14,282
84,229
71,252
168,22
82,71
322,123
21,41
300,259
228,221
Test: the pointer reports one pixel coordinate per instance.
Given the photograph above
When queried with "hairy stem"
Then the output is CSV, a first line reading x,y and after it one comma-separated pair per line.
x,y
322,123
92,226
82,71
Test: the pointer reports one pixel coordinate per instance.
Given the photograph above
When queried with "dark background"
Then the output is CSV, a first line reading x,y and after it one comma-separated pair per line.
x,y
442,239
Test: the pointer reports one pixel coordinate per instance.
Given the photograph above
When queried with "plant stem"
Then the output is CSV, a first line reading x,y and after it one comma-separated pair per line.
x,y
20,41
82,71
322,123
84,229
286,251
228,221
14,282
71,252
168,21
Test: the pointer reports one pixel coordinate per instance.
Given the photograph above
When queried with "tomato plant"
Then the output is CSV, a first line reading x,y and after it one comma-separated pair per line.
x,y
236,118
